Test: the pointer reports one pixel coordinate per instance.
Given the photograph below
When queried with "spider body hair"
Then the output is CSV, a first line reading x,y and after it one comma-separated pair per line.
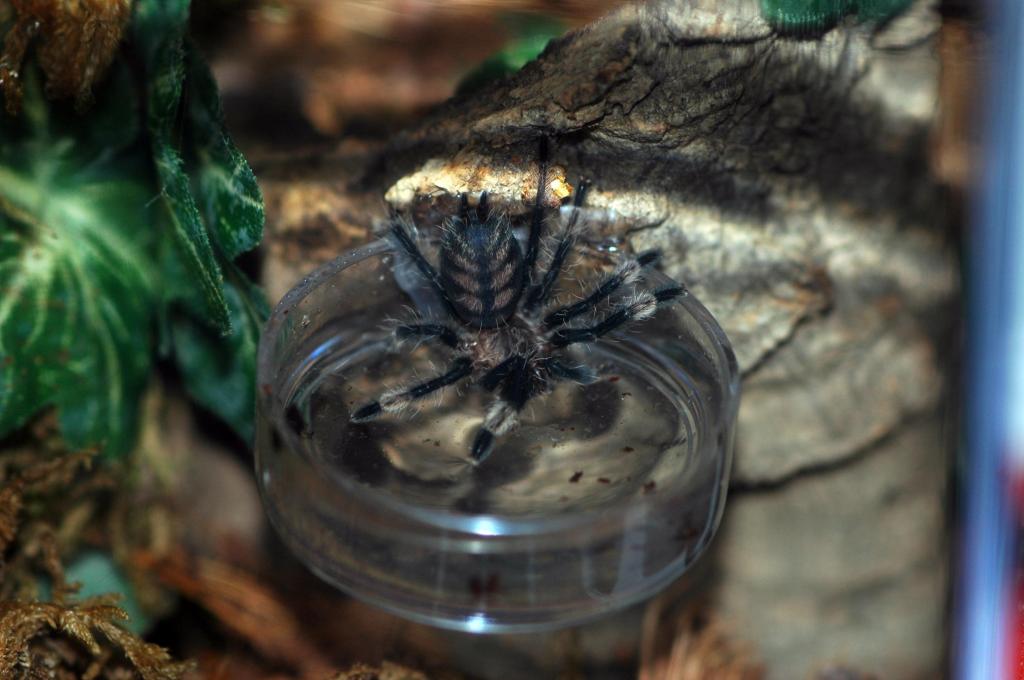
x,y
481,266
504,339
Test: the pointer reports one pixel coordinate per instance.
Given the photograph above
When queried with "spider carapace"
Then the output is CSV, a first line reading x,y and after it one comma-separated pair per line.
x,y
503,331
481,266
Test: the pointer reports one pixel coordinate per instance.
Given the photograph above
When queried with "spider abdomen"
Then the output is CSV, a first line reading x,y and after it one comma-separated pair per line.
x,y
481,271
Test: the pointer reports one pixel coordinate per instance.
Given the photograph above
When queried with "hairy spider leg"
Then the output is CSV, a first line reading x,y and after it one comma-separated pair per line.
x,y
537,218
395,400
642,306
428,331
584,375
540,293
626,273
517,387
408,244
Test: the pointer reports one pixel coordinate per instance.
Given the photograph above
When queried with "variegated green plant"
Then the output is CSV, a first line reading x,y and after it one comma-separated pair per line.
x,y
814,16
119,229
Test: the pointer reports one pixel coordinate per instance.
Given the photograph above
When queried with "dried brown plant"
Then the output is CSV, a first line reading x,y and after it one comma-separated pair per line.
x,y
692,645
386,671
48,499
27,646
75,41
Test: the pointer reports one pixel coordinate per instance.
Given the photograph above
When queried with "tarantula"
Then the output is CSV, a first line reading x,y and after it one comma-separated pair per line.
x,y
502,332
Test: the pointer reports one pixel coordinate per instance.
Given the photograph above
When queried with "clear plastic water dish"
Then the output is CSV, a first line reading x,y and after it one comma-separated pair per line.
x,y
606,493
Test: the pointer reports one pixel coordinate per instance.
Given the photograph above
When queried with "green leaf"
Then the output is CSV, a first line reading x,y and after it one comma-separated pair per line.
x,y
220,372
159,28
193,245
76,313
225,185
804,16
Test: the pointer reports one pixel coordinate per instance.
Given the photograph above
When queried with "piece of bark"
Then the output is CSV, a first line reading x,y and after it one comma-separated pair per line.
x,y
846,566
786,180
